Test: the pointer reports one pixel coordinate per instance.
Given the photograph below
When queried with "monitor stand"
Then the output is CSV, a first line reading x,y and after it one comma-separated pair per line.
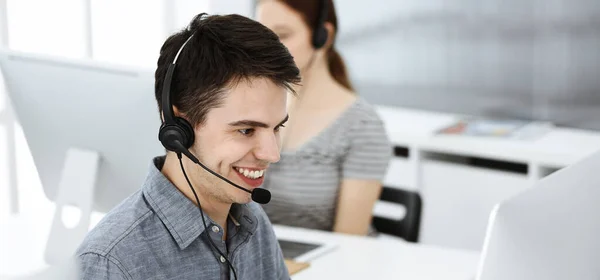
x,y
7,118
76,193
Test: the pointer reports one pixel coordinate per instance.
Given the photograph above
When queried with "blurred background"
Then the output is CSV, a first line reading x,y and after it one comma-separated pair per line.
x,y
530,59
525,59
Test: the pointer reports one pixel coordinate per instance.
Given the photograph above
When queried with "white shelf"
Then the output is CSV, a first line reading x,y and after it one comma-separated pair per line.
x,y
458,192
416,129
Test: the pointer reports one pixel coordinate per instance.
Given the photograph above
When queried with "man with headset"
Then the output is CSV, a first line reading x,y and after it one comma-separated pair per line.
x,y
221,88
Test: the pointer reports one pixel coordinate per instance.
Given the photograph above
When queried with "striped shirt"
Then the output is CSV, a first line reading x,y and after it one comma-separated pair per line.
x,y
305,183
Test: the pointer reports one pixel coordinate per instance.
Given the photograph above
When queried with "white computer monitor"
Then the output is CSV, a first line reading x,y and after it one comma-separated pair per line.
x,y
75,103
551,231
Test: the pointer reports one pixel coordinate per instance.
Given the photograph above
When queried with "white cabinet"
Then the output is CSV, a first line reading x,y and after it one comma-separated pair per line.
x,y
461,178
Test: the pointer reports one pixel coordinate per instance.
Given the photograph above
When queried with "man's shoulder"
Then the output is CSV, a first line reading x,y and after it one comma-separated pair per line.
x,y
117,224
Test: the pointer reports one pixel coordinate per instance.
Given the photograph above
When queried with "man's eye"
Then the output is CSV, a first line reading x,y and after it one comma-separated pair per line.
x,y
246,132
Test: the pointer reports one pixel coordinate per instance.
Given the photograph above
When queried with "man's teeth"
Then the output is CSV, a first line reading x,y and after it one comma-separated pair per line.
x,y
252,174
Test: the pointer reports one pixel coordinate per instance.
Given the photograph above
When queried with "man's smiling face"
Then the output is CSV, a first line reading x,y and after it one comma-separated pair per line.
x,y
240,138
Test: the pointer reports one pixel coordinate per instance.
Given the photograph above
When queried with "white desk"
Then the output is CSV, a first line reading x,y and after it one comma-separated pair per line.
x,y
373,258
559,147
354,257
461,178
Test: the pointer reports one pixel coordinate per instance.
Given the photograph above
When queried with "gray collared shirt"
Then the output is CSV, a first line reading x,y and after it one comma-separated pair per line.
x,y
157,233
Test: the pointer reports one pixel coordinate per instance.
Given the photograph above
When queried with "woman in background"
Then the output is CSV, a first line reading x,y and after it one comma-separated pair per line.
x,y
335,150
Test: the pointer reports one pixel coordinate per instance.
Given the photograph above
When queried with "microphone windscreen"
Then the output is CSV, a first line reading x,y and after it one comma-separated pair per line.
x,y
261,196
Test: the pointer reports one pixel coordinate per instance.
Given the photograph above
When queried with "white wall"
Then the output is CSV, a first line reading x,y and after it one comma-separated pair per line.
x,y
523,59
241,7
124,32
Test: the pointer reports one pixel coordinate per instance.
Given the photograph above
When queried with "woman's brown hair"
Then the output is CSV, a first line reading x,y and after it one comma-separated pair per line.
x,y
310,10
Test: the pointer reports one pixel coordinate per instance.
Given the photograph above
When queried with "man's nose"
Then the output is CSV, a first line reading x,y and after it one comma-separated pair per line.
x,y
267,148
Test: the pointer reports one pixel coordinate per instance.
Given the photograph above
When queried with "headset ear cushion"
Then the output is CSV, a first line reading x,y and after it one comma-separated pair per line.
x,y
188,130
170,133
320,37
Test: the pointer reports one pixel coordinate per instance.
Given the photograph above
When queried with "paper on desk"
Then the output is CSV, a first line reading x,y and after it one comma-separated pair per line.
x,y
500,128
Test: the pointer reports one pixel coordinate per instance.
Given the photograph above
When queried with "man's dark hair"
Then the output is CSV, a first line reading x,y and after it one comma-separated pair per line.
x,y
224,50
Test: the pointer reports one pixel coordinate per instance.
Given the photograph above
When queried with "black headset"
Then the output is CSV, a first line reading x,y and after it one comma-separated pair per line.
x,y
174,132
320,33
177,135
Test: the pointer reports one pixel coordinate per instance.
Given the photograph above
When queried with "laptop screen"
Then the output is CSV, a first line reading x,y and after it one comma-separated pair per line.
x,y
294,249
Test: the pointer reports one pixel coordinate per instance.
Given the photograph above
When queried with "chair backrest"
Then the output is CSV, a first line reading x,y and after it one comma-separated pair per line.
x,y
408,227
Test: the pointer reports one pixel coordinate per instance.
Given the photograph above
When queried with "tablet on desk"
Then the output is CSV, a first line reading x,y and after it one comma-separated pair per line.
x,y
303,250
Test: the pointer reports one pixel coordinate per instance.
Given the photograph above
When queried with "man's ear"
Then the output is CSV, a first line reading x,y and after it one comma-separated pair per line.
x,y
175,112
162,113
183,116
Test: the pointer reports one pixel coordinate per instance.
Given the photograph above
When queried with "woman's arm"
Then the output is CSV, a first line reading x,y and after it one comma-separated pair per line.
x,y
362,172
355,205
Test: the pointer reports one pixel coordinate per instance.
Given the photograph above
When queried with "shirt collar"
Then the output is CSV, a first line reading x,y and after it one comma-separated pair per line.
x,y
180,216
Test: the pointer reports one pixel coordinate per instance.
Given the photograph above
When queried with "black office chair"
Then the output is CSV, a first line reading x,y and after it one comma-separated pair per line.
x,y
408,227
